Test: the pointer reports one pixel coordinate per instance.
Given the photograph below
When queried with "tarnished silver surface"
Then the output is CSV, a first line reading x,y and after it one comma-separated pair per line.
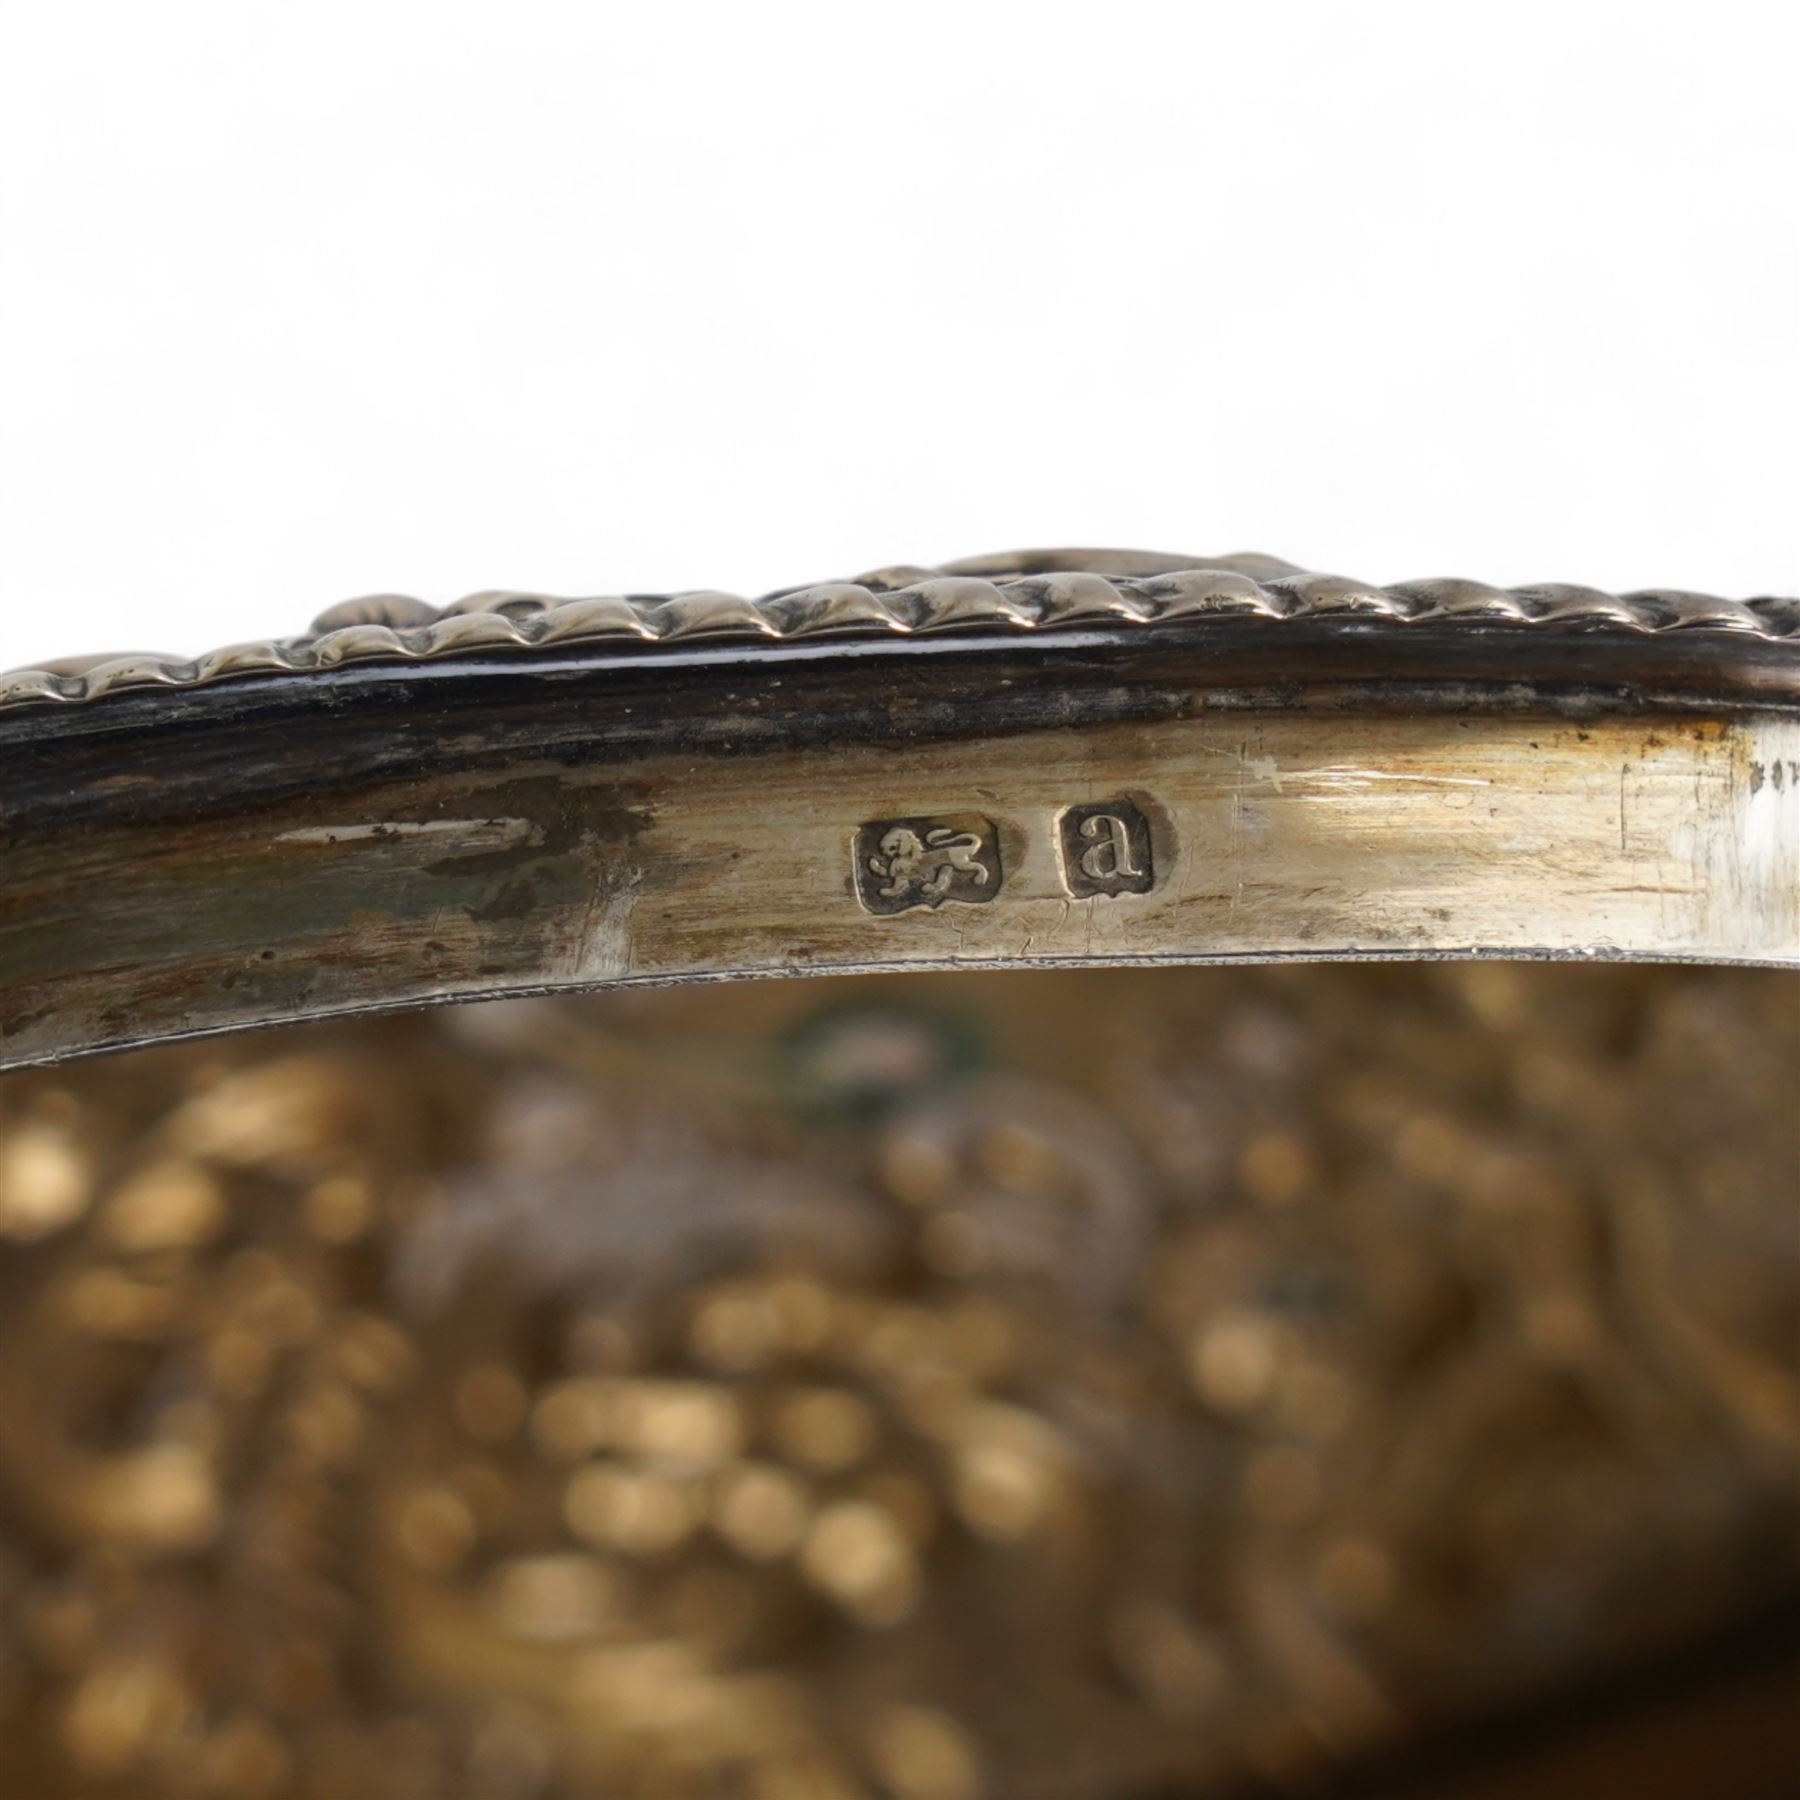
x,y
1017,761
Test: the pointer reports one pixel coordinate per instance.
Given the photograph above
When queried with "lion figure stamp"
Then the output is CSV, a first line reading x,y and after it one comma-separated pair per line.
x,y
907,863
1106,850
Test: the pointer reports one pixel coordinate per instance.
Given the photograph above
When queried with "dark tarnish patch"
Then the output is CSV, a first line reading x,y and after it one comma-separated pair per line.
x,y
569,820
514,899
17,1022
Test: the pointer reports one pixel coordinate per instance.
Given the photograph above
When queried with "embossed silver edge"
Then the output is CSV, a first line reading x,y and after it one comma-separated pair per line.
x,y
1026,592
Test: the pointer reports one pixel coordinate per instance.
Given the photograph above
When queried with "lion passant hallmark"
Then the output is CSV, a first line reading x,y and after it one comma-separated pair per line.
x,y
904,863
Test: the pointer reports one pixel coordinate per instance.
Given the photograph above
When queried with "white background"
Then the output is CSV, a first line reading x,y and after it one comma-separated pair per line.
x,y
303,301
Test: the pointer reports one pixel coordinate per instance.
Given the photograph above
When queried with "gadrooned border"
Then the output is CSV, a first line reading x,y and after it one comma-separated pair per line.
x,y
996,592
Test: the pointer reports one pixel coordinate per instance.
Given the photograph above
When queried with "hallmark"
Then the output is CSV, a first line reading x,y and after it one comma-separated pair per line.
x,y
1105,850
905,863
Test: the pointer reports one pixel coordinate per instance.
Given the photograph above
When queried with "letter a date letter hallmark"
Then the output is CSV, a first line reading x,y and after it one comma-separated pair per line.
x,y
1106,850
907,863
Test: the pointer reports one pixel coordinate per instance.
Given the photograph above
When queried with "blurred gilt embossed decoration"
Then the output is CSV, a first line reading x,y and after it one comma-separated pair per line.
x,y
1025,1365
1063,1384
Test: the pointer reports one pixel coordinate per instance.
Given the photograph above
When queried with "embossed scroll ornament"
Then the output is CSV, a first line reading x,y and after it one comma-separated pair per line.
x,y
1047,758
